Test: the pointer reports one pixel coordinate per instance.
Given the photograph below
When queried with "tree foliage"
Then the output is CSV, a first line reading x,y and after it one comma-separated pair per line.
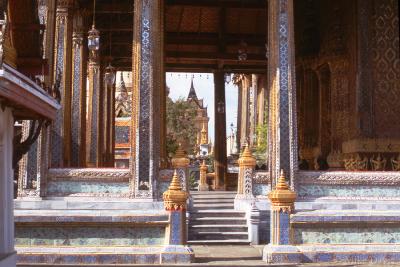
x,y
181,126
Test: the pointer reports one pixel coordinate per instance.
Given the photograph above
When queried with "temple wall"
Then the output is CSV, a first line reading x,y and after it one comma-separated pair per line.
x,y
348,77
385,61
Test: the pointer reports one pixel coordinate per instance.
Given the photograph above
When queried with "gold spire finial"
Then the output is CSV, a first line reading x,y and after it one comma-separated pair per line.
x,y
174,198
282,198
180,153
180,160
247,159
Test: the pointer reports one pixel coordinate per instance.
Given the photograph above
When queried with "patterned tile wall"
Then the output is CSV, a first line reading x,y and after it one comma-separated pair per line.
x,y
89,236
351,235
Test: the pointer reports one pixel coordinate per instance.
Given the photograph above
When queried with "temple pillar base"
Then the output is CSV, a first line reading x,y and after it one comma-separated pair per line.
x,y
243,203
8,259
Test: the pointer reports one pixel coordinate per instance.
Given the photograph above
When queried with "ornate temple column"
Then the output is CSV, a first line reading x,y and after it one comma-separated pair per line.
x,y
79,71
282,95
146,89
61,129
239,115
163,100
220,161
7,251
244,195
93,125
245,111
253,109
49,39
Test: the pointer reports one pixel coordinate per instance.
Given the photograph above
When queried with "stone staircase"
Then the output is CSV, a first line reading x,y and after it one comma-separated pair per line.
x,y
213,220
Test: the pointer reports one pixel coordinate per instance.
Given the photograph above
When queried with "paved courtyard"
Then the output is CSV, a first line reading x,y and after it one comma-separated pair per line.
x,y
229,256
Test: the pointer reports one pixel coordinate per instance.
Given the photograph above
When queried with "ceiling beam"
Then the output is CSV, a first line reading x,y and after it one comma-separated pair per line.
x,y
258,4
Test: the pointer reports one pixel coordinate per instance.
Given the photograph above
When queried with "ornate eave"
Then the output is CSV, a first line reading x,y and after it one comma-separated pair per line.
x,y
28,100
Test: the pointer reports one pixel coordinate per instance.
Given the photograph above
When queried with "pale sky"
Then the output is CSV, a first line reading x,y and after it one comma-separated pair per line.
x,y
179,84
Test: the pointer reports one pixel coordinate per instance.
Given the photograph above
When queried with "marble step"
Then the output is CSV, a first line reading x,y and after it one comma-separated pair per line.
x,y
218,235
219,242
211,206
217,228
217,221
217,200
215,213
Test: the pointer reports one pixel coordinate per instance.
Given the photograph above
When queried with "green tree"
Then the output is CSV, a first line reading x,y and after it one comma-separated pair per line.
x,y
181,126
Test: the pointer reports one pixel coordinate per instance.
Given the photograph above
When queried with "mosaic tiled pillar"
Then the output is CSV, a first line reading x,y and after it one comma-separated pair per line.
x,y
146,87
7,251
220,160
61,128
282,95
79,71
29,166
253,108
111,129
93,138
245,117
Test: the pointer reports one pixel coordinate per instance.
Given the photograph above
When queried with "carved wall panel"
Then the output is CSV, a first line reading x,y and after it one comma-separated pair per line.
x,y
386,68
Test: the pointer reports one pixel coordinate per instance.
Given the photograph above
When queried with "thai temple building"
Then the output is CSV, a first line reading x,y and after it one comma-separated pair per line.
x,y
85,177
201,119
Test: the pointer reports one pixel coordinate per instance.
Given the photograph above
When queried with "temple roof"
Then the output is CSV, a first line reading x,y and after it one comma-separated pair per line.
x,y
192,92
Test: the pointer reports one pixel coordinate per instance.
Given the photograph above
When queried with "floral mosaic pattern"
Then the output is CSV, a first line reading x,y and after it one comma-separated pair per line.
x,y
348,191
89,236
76,187
347,235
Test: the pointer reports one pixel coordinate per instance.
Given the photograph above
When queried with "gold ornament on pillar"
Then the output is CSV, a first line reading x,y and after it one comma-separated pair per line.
x,y
247,159
180,159
282,198
175,198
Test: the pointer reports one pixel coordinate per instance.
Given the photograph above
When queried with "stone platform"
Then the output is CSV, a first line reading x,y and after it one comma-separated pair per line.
x,y
82,230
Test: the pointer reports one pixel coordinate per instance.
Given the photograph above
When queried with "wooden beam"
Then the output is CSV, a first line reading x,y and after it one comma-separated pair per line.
x,y
215,3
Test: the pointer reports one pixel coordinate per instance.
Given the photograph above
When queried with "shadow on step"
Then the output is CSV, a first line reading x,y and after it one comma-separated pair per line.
x,y
214,259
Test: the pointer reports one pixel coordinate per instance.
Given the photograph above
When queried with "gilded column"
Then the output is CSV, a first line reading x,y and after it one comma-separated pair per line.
x,y
79,71
245,116
93,138
220,160
61,128
146,89
163,99
253,108
282,109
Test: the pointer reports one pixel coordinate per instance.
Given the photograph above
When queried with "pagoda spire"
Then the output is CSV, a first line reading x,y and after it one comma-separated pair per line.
x,y
192,92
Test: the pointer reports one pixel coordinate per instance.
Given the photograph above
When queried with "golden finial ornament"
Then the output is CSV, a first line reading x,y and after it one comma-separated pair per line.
x,y
180,159
175,198
247,159
282,198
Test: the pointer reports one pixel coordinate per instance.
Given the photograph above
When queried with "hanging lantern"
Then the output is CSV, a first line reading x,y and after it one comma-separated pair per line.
x,y
94,39
242,51
228,78
109,75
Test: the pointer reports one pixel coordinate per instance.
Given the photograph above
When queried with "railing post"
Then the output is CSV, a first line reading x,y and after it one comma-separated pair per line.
x,y
176,235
